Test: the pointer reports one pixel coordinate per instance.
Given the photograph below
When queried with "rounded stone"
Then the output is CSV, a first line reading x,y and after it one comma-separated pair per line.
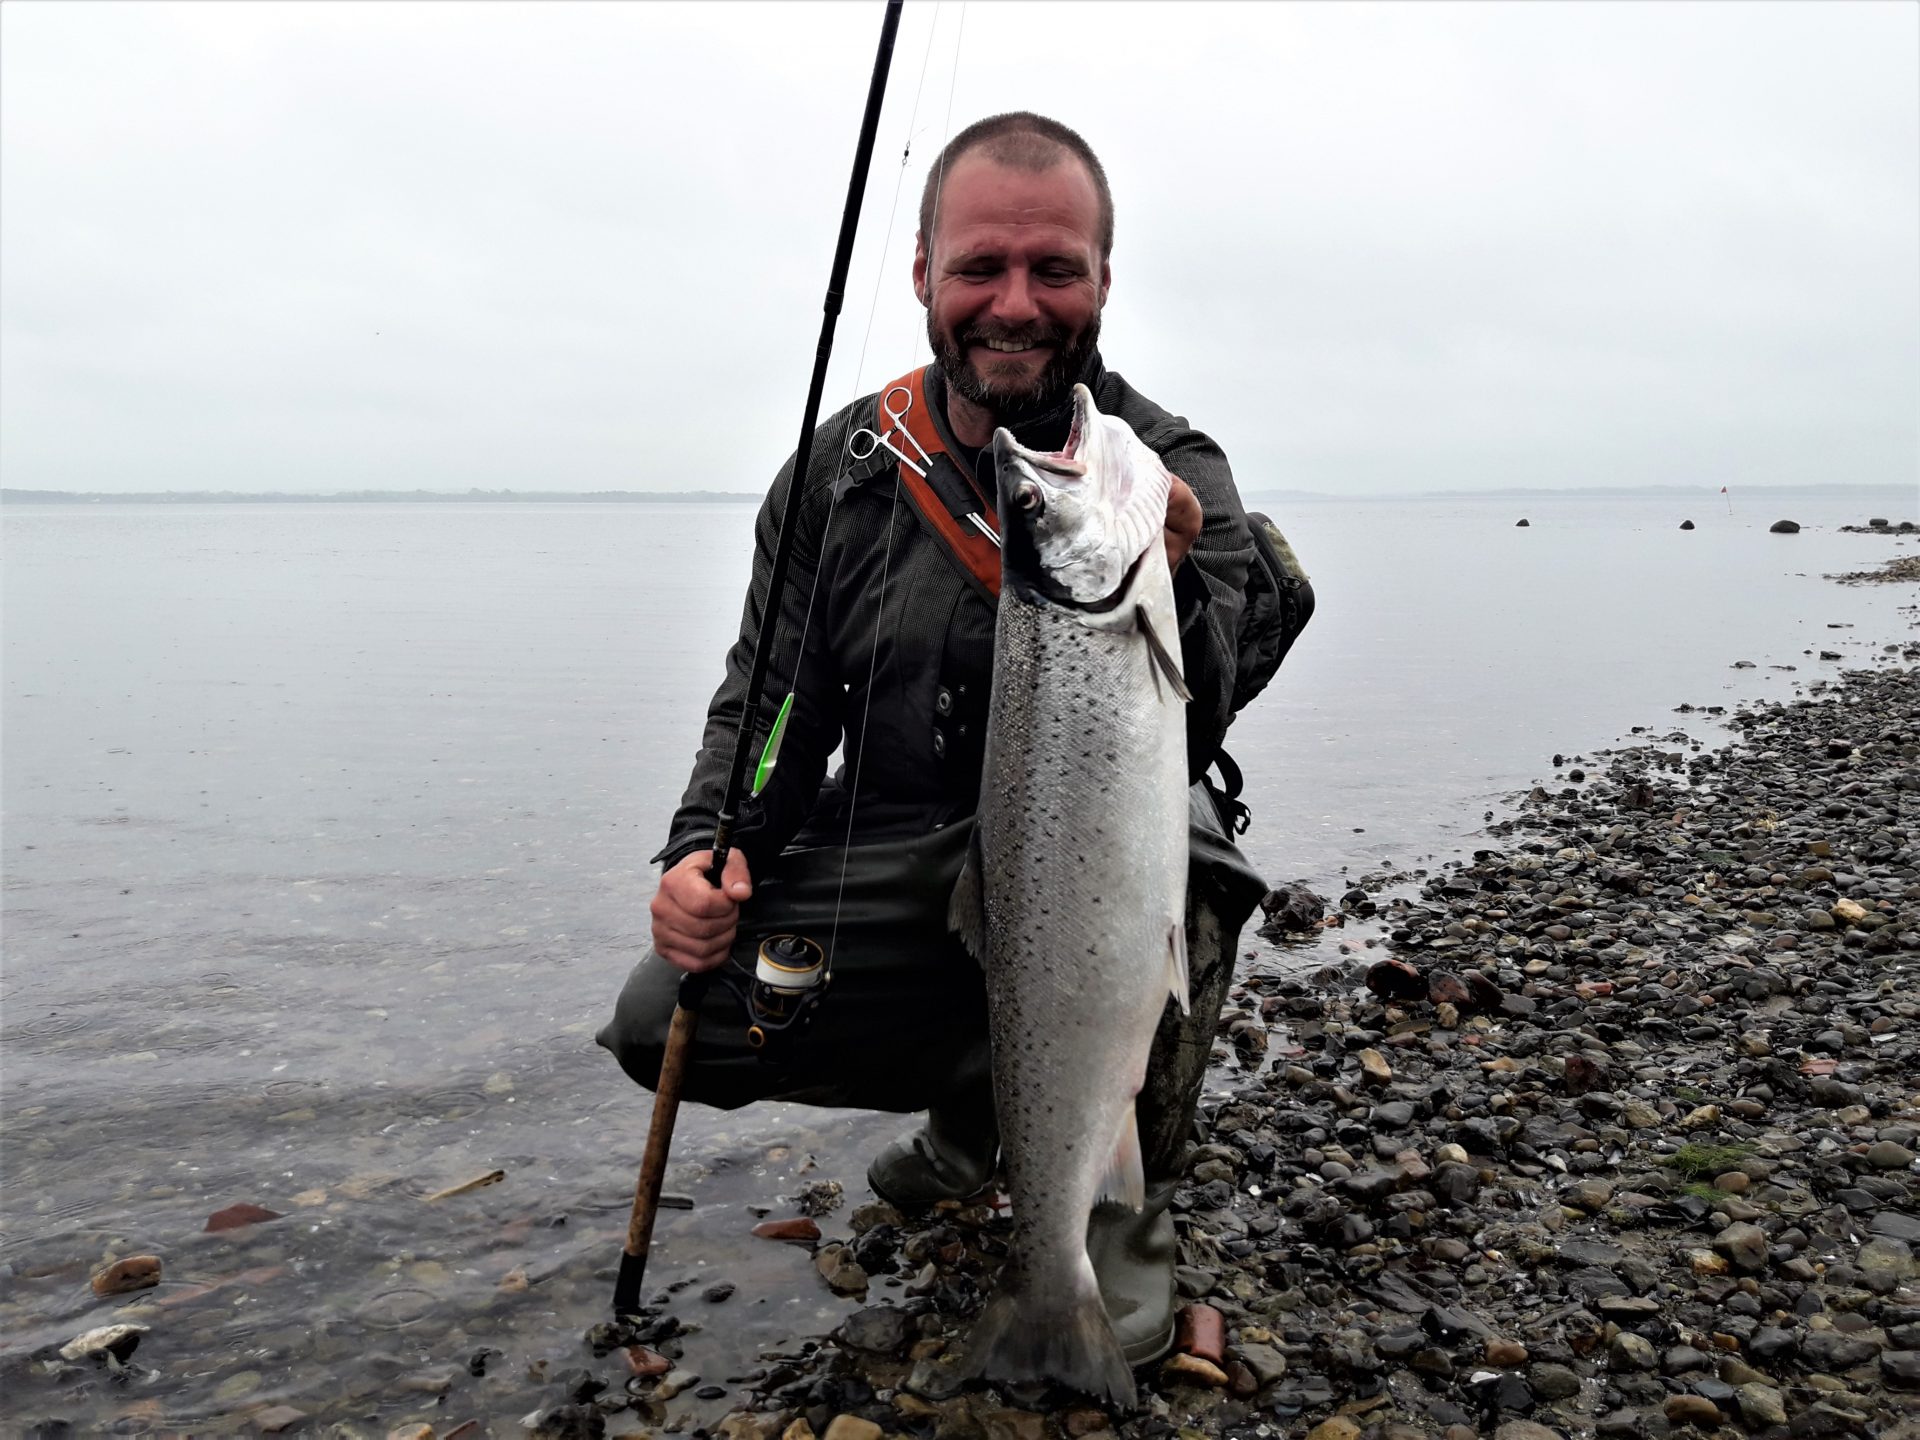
x,y
1760,1405
1743,1245
1552,1382
1505,1352
1692,1410
1627,1351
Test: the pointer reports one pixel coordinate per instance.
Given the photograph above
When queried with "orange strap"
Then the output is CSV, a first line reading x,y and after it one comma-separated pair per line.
x,y
977,554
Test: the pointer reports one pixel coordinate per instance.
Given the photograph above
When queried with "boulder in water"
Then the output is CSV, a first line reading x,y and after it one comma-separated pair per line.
x,y
1521,524
1784,527
1686,525
1292,909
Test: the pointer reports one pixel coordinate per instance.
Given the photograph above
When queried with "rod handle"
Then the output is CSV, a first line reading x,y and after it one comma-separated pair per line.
x,y
653,1164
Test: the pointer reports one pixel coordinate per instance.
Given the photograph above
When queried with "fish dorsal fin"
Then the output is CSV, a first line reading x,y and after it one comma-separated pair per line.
x,y
1125,1182
1177,985
1161,655
967,911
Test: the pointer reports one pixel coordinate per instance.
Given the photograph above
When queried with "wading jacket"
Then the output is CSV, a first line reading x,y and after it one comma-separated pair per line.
x,y
897,661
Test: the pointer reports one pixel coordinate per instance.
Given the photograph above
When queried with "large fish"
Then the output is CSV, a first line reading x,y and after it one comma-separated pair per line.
x,y
1075,894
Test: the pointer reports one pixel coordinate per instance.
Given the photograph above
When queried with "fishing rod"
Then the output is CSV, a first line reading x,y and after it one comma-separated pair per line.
x,y
693,988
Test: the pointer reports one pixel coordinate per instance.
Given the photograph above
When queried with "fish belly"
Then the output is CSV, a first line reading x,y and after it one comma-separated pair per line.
x,y
1083,841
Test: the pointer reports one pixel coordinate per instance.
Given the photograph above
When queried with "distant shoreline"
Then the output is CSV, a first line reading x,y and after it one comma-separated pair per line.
x,y
738,497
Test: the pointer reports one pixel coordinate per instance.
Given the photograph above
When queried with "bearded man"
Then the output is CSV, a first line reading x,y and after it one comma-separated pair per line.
x,y
887,648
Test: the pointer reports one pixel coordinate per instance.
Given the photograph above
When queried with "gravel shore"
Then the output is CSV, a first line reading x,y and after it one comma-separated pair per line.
x,y
1608,1131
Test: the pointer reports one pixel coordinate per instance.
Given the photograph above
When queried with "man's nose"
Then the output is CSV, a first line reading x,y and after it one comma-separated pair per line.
x,y
1013,300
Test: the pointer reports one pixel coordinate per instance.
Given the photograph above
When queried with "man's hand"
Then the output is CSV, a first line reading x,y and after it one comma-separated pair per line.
x,y
693,923
1183,521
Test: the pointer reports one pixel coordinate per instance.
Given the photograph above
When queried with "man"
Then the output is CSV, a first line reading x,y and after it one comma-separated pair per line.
x,y
887,646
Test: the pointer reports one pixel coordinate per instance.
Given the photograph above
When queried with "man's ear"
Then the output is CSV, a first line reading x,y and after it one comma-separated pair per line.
x,y
1106,282
920,267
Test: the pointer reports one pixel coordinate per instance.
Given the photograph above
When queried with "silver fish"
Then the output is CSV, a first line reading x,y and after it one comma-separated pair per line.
x,y
1075,895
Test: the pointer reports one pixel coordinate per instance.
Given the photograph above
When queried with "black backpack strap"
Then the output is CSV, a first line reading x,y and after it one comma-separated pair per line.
x,y
1234,813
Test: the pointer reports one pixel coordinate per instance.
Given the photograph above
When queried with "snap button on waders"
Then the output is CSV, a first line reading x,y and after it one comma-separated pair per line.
x,y
939,743
943,701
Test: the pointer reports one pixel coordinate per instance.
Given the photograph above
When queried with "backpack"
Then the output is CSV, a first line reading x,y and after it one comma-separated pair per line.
x,y
1279,602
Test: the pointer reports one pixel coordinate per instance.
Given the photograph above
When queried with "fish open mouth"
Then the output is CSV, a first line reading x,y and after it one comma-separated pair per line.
x,y
1077,431
1066,460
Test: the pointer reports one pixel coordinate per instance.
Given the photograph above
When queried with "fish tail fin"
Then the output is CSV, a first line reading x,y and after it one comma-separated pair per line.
x,y
1126,1177
1025,1335
1177,982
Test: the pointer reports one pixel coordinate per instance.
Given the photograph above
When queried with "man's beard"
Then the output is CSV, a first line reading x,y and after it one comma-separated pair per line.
x,y
1011,402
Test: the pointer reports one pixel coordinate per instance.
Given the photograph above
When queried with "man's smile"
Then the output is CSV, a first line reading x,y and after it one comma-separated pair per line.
x,y
992,352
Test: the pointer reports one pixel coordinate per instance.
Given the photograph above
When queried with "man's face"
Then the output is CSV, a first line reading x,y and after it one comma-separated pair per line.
x,y
1014,285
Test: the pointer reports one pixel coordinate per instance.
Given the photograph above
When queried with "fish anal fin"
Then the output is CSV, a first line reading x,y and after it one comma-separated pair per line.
x,y
1177,983
1162,657
967,911
1125,1182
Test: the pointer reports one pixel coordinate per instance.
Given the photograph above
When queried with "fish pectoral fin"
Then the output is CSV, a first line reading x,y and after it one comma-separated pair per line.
x,y
1125,1182
1162,657
967,911
1177,965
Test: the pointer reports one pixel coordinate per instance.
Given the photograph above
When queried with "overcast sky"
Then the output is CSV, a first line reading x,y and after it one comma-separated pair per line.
x,y
562,247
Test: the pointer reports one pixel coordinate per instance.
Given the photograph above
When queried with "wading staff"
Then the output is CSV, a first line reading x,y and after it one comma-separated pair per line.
x,y
693,988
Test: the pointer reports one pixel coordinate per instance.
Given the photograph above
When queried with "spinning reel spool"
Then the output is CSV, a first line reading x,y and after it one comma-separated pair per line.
x,y
790,979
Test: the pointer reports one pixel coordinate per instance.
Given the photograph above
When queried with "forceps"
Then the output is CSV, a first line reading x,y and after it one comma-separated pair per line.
x,y
895,403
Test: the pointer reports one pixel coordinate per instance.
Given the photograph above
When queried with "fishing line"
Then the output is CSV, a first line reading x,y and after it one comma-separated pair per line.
x,y
873,310
886,562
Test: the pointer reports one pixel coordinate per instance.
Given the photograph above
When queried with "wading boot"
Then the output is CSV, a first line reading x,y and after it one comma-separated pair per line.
x,y
948,1158
1133,1253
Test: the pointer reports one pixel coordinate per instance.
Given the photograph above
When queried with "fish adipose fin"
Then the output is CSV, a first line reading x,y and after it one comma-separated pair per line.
x,y
1023,1336
1177,985
1125,1182
966,912
1161,656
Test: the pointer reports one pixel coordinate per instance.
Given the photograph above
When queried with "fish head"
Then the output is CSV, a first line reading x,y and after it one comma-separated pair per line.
x,y
1075,522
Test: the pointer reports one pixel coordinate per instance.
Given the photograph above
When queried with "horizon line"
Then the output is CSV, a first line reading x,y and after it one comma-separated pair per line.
x,y
19,495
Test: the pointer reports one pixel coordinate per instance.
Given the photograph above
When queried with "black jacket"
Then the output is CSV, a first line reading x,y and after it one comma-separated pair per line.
x,y
897,659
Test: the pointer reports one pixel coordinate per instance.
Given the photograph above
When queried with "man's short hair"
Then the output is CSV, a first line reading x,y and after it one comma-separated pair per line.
x,y
1025,141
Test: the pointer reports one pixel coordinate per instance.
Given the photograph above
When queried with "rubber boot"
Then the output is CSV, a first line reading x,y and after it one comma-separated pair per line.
x,y
949,1158
1133,1254
1133,1251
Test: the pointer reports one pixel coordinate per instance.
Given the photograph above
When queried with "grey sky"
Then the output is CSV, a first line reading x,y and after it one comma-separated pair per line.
x,y
1391,247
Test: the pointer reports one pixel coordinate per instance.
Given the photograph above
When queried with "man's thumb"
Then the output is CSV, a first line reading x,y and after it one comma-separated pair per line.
x,y
738,879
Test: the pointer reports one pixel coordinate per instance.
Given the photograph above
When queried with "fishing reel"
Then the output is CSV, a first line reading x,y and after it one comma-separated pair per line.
x,y
789,980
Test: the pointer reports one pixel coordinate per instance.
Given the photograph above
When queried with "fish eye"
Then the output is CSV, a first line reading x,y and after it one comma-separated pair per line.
x,y
1027,496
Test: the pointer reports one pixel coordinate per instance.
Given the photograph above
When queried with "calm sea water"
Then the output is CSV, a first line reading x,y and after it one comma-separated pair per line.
x,y
325,840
